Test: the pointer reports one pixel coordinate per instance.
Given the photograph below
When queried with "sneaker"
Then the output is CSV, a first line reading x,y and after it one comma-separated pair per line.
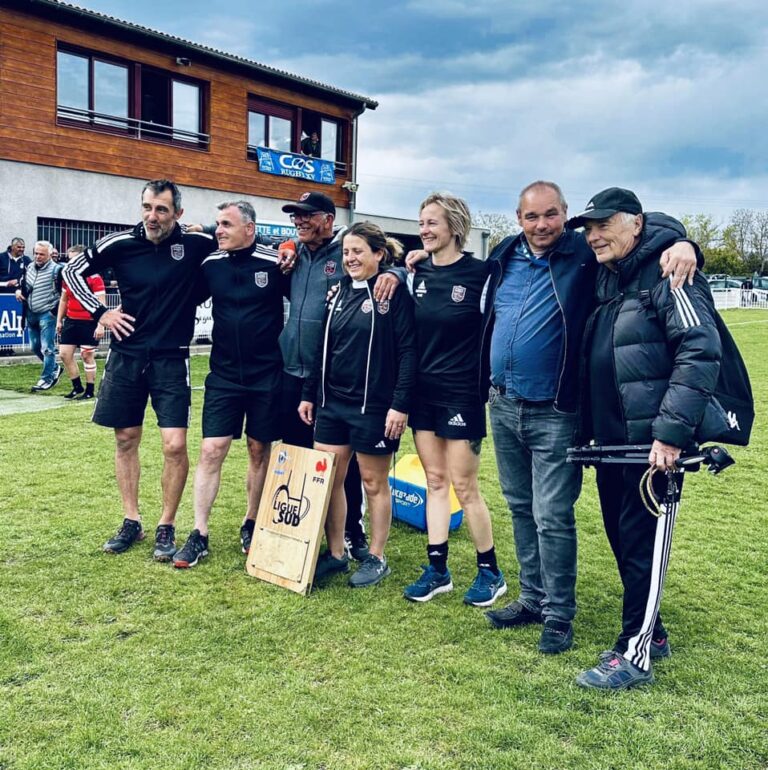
x,y
328,566
126,536
192,551
42,384
86,395
372,571
165,542
74,393
660,648
614,672
57,372
246,535
356,548
556,636
486,588
429,585
514,614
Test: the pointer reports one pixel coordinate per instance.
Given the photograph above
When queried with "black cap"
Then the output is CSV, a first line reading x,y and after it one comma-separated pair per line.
x,y
311,201
607,203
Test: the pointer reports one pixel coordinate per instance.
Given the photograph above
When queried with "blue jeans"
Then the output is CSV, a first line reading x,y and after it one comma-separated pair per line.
x,y
540,489
42,337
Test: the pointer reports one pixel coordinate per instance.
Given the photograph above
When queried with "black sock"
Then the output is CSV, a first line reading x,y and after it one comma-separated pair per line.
x,y
89,387
438,556
76,384
487,560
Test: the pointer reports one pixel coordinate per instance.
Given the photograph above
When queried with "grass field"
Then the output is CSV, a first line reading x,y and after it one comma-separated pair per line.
x,y
118,662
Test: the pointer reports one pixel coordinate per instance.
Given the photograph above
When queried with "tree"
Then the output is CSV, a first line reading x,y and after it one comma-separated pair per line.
x,y
500,226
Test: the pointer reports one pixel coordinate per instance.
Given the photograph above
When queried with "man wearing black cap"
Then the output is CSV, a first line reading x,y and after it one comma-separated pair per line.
x,y
652,356
316,269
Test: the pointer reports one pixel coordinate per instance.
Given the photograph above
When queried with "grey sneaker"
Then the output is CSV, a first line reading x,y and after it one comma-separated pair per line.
x,y
165,542
328,566
614,672
372,571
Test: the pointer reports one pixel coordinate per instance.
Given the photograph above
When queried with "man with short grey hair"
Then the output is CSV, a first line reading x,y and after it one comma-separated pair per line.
x,y
39,292
247,287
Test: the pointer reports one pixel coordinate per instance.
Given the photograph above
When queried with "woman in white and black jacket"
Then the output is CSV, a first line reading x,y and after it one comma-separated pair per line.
x,y
362,380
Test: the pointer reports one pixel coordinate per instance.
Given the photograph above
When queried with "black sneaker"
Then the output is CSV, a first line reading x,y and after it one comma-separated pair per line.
x,y
86,395
660,648
556,637
74,393
246,535
126,536
165,542
356,548
328,565
57,372
192,551
514,614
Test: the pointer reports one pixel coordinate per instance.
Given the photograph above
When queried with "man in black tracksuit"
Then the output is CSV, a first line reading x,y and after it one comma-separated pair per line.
x,y
247,288
651,363
157,266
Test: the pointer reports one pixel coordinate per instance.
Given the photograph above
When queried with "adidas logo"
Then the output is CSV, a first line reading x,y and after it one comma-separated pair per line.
x,y
457,421
421,289
381,445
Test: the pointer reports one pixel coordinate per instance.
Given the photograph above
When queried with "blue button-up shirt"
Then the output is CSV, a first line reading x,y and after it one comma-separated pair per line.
x,y
528,334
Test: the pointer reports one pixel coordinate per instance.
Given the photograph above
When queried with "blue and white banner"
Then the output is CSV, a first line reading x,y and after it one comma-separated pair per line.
x,y
10,321
275,230
298,166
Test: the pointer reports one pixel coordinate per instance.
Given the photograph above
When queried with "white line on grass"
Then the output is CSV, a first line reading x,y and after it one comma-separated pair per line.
x,y
12,402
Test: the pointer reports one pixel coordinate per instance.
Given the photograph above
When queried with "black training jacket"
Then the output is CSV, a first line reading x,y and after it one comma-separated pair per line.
x,y
157,286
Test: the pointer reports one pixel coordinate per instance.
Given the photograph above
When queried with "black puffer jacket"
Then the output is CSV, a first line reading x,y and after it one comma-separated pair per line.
x,y
666,347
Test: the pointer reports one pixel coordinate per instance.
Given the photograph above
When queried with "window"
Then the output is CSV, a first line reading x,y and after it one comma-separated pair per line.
x,y
269,125
129,98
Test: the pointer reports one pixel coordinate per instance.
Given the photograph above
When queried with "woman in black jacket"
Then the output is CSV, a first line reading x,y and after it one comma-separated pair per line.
x,y
361,381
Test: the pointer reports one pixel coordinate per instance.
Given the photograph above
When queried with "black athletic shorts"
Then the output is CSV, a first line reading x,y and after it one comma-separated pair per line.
x,y
226,405
459,423
78,333
341,424
129,382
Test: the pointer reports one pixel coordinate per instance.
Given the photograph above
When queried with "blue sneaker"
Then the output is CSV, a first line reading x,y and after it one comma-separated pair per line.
x,y
428,585
614,672
486,588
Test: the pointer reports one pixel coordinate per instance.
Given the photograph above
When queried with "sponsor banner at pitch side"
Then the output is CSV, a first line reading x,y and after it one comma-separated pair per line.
x,y
297,166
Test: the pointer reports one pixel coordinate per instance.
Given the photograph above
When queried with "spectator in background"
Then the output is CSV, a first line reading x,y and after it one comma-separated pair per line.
x,y
12,264
310,145
77,329
38,289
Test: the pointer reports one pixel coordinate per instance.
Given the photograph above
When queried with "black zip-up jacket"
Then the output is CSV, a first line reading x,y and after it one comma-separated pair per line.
x,y
666,347
157,286
388,360
247,289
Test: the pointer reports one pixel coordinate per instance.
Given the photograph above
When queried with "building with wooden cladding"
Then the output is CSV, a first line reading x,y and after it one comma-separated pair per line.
x,y
92,106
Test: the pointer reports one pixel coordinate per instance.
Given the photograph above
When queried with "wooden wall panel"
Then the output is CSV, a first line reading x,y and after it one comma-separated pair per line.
x,y
30,133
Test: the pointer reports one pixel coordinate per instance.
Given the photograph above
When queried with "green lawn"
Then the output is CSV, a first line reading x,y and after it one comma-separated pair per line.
x,y
118,662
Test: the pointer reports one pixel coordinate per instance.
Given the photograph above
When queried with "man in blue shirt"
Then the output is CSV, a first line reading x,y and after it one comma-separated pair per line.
x,y
541,292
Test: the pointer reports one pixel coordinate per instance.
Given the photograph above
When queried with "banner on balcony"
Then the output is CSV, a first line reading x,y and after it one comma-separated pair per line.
x,y
297,166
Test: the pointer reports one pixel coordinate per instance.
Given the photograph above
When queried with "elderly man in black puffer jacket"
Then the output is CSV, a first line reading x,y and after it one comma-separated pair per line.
x,y
651,364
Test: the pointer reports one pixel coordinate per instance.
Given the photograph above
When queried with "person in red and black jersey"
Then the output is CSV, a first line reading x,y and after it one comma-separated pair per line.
x,y
448,416
247,287
362,381
77,329
157,265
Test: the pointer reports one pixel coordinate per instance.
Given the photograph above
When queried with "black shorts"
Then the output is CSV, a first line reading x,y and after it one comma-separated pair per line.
x,y
78,333
341,424
227,405
457,423
129,382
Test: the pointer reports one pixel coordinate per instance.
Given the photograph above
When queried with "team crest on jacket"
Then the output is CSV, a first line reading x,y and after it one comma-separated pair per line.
x,y
330,267
366,307
262,279
383,306
177,251
458,293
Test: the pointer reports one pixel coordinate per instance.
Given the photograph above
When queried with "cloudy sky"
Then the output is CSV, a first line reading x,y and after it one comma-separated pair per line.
x,y
480,97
